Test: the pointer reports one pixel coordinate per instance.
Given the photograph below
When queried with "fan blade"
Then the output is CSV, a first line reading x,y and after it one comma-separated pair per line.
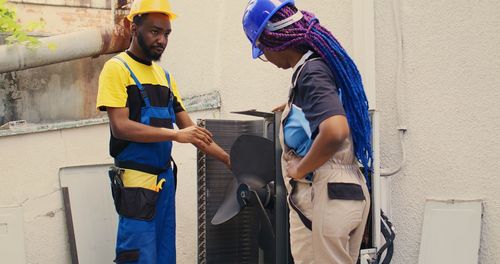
x,y
230,206
252,160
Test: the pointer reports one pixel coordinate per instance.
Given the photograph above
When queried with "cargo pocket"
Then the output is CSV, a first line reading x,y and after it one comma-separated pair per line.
x,y
128,256
135,194
345,191
137,203
344,208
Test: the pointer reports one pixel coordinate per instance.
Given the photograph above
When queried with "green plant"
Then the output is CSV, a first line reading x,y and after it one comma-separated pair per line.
x,y
17,33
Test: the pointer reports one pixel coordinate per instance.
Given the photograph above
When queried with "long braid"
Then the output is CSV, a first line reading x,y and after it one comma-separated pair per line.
x,y
309,34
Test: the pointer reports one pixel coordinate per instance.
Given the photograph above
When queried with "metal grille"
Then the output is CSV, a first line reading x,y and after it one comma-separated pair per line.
x,y
236,240
202,201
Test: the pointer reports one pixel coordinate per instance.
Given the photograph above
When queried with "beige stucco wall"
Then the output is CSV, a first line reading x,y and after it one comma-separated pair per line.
x,y
209,51
447,98
449,102
30,178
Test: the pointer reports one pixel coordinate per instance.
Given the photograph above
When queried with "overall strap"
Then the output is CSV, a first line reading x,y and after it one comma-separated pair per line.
x,y
171,99
137,83
168,78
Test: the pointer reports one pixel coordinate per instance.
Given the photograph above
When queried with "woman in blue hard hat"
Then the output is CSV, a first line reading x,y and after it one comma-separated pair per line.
x,y
325,131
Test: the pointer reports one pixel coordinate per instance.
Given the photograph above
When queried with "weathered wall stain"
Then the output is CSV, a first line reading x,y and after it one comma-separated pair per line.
x,y
9,97
59,92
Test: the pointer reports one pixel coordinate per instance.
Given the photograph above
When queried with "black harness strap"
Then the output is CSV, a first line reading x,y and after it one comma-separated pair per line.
x,y
302,217
174,171
128,164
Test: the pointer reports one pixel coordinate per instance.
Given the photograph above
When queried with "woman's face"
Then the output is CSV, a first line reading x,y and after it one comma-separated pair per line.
x,y
278,58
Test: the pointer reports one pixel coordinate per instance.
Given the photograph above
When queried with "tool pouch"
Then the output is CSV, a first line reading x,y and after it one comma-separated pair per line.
x,y
132,202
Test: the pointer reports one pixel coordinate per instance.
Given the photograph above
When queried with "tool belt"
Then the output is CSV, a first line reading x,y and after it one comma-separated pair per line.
x,y
132,202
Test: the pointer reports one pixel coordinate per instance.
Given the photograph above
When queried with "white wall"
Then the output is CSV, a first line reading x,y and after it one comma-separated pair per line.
x,y
449,96
448,100
208,51
30,178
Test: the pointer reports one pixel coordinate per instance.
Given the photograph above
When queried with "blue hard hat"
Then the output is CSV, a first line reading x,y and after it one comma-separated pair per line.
x,y
256,16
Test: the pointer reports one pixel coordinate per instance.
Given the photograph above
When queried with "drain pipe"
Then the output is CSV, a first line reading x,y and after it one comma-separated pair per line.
x,y
364,55
377,189
71,46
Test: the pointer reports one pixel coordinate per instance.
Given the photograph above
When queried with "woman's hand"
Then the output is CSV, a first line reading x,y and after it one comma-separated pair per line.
x,y
279,108
292,166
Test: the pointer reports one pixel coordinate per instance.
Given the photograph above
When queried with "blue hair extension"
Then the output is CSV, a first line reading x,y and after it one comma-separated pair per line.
x,y
353,98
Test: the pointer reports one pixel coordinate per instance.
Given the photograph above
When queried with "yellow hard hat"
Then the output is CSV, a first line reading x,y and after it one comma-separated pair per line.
x,y
151,6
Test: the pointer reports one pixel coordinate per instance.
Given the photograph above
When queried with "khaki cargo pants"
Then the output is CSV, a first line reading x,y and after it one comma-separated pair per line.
x,y
338,222
336,202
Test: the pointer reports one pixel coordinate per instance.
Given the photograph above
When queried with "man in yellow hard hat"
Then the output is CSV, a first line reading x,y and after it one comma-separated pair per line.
x,y
143,103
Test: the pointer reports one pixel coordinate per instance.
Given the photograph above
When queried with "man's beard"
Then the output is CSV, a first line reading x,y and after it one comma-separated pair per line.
x,y
146,50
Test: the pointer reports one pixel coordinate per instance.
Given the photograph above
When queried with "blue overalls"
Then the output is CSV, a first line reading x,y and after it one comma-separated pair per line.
x,y
153,241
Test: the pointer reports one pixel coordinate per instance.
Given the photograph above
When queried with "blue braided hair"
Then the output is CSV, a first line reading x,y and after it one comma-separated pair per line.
x,y
308,34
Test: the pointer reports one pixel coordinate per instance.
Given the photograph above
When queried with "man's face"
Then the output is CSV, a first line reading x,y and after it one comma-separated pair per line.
x,y
152,35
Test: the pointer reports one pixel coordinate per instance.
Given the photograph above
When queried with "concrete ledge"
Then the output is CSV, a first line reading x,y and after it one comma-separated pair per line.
x,y
13,129
20,127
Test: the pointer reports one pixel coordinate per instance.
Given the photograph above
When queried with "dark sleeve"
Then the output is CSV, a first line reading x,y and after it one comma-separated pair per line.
x,y
177,106
317,94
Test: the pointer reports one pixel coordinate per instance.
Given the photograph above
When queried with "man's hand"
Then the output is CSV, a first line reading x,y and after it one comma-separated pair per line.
x,y
195,135
227,162
204,138
279,108
215,151
292,166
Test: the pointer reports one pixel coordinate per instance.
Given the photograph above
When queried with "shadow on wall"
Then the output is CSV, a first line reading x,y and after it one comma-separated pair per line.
x,y
50,94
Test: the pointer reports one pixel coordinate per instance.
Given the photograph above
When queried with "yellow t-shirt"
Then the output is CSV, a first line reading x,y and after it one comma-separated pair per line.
x,y
116,83
117,88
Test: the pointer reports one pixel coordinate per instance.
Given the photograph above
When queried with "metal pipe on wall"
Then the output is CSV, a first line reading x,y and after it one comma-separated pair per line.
x,y
364,56
376,185
65,47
